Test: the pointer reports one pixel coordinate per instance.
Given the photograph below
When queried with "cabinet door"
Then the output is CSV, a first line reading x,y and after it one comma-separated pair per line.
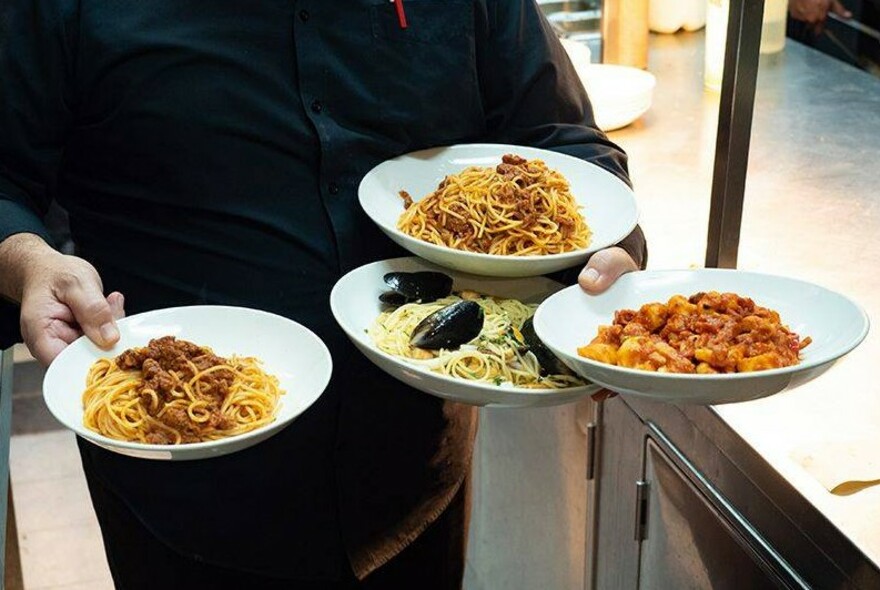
x,y
688,543
529,499
621,444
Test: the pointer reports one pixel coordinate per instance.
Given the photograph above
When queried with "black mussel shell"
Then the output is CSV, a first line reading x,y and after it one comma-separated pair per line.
x,y
550,363
424,286
393,298
449,327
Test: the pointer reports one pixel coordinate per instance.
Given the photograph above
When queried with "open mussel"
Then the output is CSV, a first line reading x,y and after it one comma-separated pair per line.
x,y
550,363
423,286
449,327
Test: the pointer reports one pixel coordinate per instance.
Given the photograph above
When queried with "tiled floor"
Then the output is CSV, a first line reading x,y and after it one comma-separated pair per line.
x,y
58,533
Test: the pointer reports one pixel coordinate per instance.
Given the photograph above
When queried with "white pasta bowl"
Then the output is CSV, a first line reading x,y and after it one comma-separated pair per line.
x,y
287,350
619,94
355,305
570,319
607,204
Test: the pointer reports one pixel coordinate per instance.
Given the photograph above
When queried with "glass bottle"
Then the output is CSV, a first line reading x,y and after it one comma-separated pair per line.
x,y
625,32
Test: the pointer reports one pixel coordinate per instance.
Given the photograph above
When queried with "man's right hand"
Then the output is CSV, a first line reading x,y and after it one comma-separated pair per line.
x,y
61,297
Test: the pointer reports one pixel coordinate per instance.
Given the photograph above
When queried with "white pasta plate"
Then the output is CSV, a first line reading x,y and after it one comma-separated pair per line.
x,y
836,324
607,204
288,350
356,306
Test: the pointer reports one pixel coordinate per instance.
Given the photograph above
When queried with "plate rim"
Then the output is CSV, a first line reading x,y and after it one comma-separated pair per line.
x,y
522,391
479,256
268,429
719,377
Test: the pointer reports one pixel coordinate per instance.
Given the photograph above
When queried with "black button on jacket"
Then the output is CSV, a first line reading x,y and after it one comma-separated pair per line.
x,y
209,152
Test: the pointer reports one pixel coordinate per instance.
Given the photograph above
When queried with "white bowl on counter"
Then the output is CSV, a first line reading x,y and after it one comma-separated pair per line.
x,y
619,94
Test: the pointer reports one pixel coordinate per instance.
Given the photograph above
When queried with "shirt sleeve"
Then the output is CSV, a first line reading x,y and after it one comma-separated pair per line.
x,y
36,68
532,95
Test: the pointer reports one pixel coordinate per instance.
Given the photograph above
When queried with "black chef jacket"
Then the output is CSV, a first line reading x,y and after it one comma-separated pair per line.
x,y
210,152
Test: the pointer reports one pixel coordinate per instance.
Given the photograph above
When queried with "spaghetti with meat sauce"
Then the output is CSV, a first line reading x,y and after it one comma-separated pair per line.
x,y
174,391
705,333
518,208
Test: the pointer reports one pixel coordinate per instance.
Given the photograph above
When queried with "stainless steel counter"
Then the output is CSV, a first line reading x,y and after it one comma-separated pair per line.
x,y
812,210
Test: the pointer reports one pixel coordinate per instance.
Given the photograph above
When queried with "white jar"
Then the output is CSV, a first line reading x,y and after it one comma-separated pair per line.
x,y
669,16
772,36
773,29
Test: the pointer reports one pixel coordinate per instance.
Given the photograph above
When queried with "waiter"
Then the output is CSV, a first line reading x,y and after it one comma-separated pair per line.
x,y
210,152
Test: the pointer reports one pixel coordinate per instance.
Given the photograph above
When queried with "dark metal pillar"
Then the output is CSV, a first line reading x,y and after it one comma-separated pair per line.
x,y
12,570
734,131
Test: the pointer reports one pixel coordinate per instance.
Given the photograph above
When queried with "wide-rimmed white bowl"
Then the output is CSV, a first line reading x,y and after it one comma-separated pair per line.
x,y
619,94
288,350
570,319
355,305
608,205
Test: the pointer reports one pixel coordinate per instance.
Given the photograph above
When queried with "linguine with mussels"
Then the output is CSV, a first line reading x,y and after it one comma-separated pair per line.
x,y
497,355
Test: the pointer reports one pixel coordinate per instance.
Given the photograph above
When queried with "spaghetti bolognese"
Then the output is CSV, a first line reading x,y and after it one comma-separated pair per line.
x,y
518,208
173,391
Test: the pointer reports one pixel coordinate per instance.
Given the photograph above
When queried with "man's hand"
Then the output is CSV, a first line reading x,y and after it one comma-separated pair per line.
x,y
61,297
815,12
605,267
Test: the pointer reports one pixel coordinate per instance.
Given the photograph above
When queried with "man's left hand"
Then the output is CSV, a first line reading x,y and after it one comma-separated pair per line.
x,y
605,267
